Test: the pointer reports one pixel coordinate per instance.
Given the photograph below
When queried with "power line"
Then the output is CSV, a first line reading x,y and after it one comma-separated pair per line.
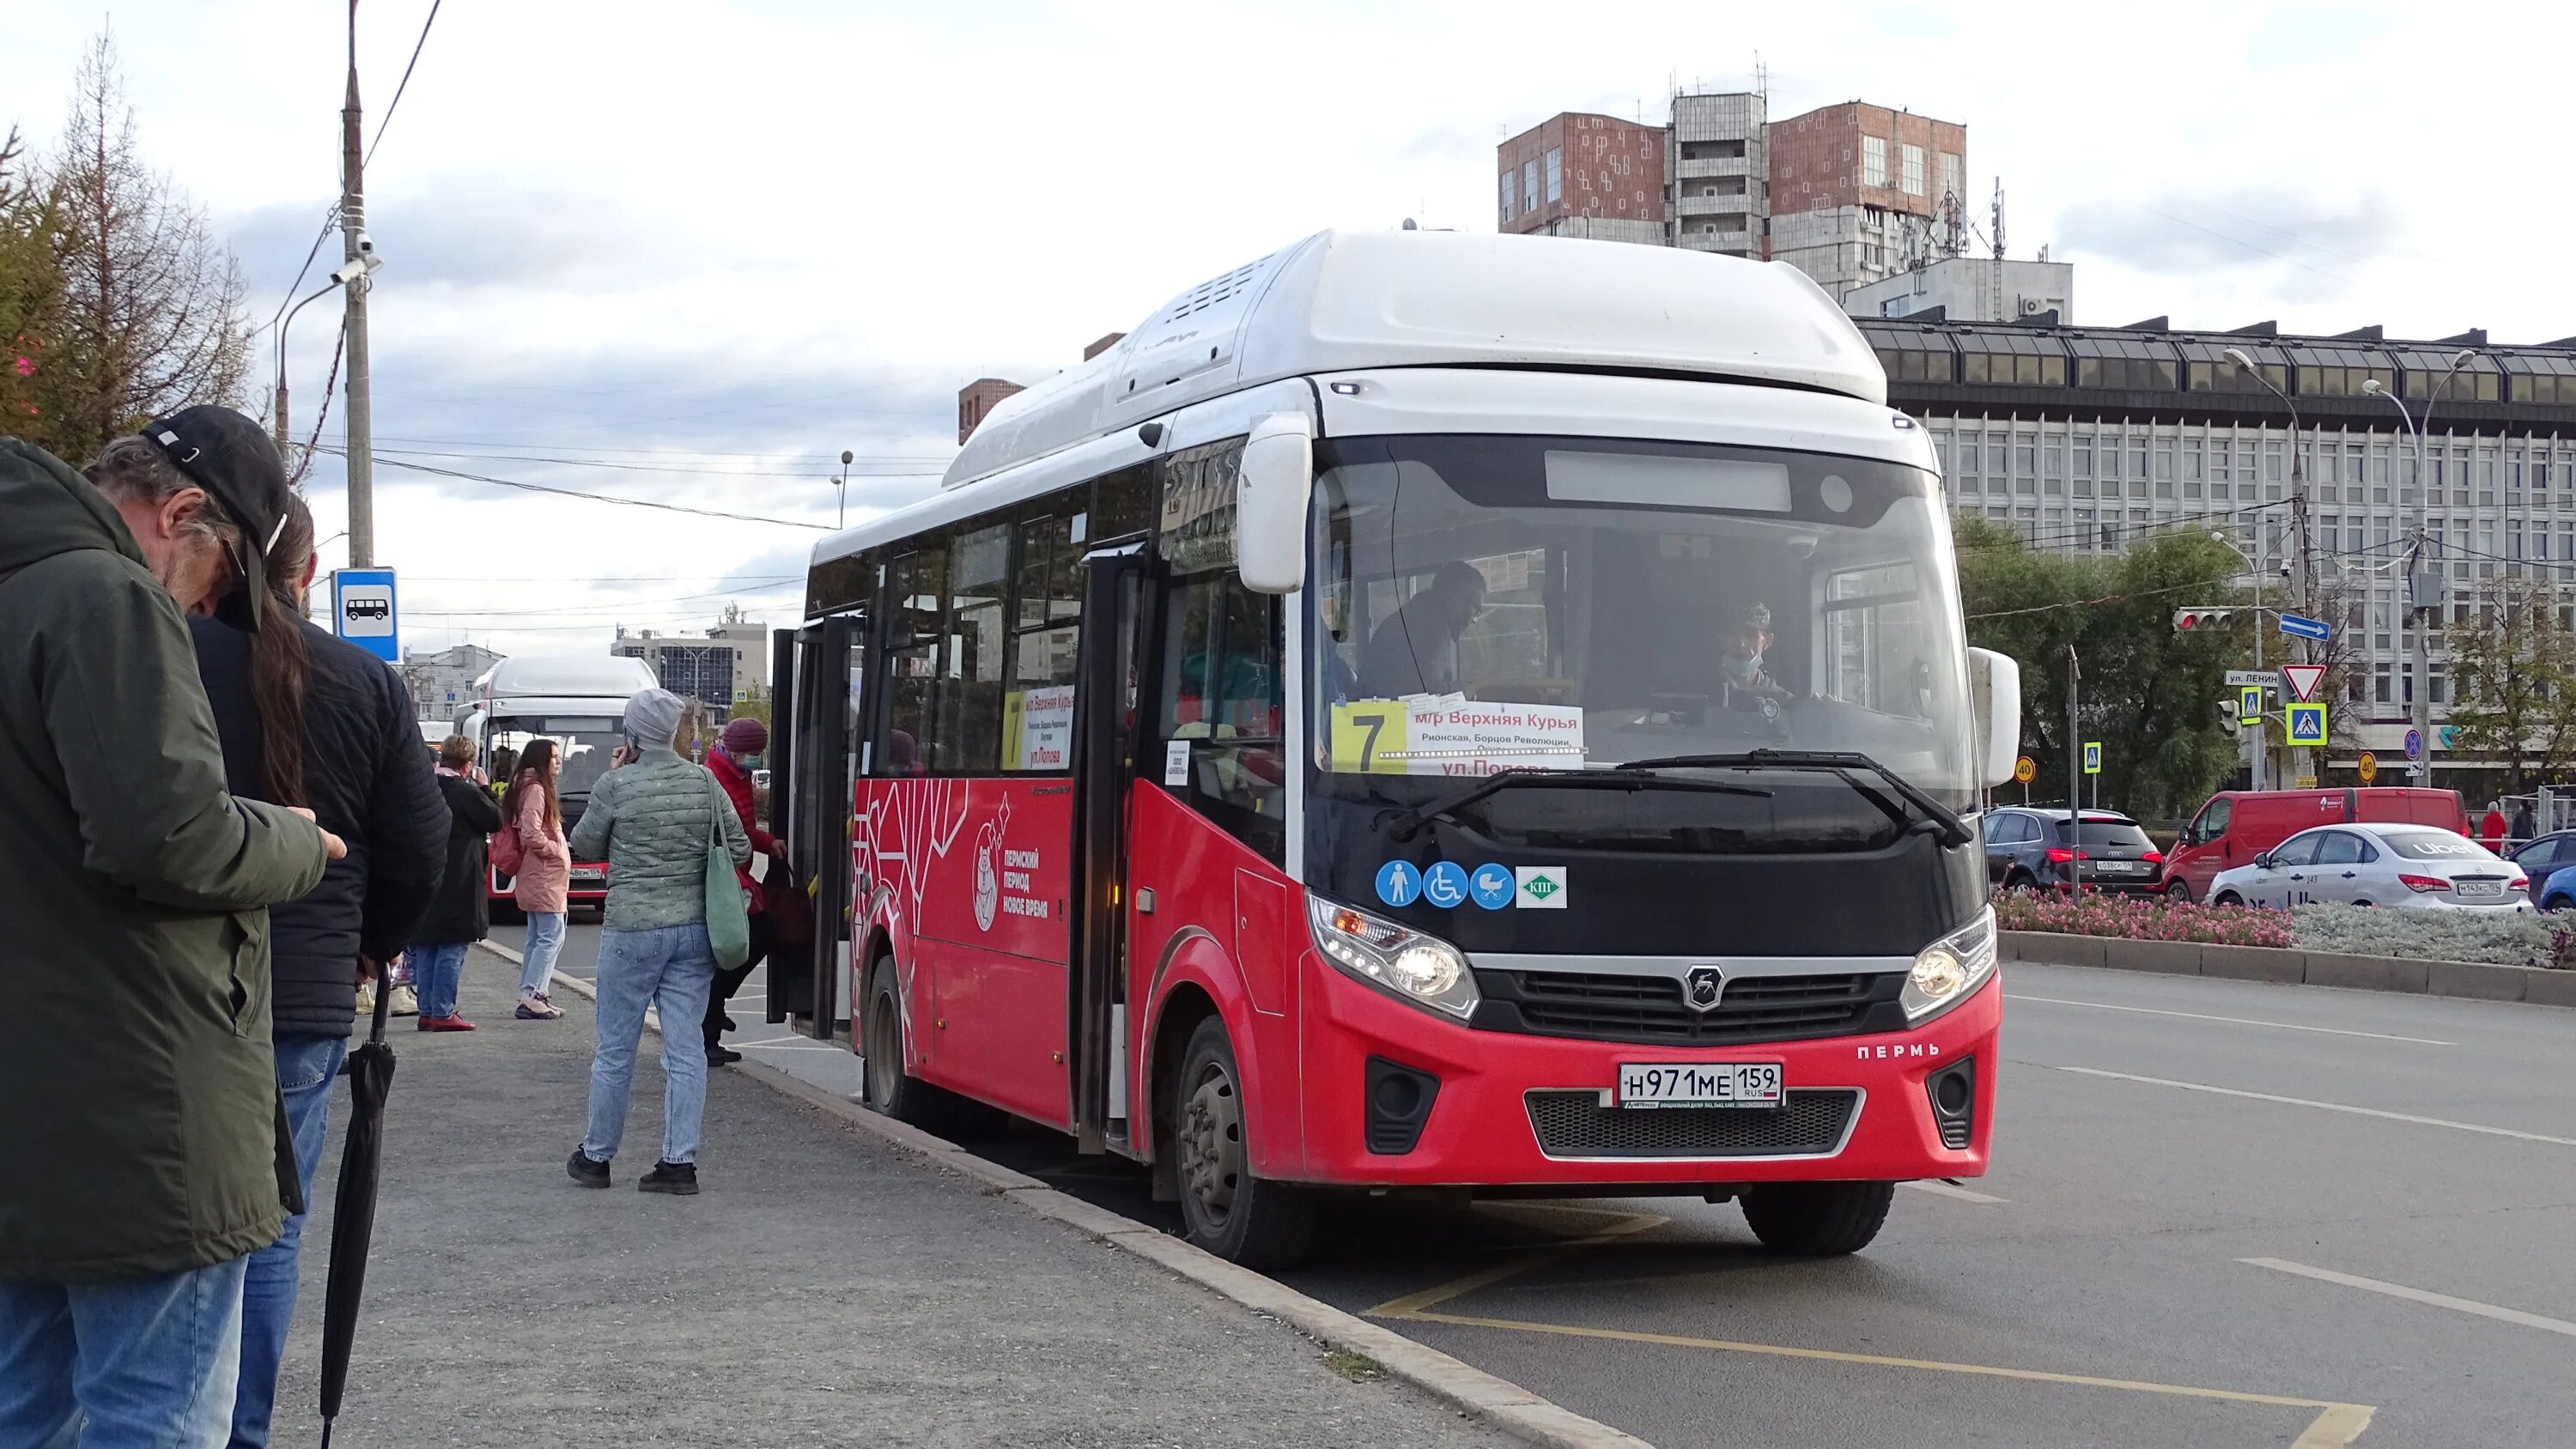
x,y
328,218
2087,603
591,497
401,84
612,607
642,467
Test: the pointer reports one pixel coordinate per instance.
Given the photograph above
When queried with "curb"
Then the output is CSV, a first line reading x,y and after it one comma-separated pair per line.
x,y
2470,980
1496,1401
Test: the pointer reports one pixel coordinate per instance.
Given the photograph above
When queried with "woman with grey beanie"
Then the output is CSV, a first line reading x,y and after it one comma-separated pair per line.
x,y
651,815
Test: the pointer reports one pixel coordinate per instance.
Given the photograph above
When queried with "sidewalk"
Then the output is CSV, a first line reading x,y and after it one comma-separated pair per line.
x,y
823,1289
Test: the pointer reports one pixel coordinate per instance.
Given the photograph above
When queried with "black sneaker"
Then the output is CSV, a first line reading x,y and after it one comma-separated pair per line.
x,y
718,1056
587,1170
677,1178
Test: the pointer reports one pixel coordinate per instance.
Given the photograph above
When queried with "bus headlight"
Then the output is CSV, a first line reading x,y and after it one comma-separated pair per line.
x,y
1948,970
1420,968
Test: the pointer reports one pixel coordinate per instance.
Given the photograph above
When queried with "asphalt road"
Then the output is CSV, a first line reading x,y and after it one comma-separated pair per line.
x,y
2221,1213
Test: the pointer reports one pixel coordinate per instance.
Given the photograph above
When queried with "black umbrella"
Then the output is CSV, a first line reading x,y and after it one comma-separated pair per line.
x,y
353,1214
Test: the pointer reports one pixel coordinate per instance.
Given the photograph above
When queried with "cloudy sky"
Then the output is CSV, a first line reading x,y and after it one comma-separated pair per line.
x,y
689,252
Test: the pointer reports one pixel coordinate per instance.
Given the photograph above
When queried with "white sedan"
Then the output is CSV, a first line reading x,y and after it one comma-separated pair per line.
x,y
2416,866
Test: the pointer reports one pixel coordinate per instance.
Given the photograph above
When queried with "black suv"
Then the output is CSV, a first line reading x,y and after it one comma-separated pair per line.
x,y
2028,849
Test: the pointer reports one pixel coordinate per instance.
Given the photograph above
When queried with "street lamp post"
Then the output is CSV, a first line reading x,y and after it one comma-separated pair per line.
x,y
2420,599
843,483
2256,569
2300,764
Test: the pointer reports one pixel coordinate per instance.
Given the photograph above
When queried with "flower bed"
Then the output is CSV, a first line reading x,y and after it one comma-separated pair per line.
x,y
2143,918
2502,939
2499,938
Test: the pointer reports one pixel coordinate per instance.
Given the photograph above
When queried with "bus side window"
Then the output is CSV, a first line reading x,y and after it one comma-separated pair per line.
x,y
1224,693
1046,640
916,599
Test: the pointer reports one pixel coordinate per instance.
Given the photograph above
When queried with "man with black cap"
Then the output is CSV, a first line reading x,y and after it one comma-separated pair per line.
x,y
139,1118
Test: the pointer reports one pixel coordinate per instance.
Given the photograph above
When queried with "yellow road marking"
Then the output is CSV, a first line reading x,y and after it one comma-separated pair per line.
x,y
1412,1305
2336,1426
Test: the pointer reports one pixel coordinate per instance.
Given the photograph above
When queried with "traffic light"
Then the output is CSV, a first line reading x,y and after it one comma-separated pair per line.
x,y
2187,620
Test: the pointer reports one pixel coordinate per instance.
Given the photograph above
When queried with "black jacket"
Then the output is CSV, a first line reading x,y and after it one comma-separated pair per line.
x,y
367,781
462,910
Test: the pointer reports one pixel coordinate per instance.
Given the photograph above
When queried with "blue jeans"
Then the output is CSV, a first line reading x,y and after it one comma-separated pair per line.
x,y
671,969
308,1067
545,943
436,971
147,1363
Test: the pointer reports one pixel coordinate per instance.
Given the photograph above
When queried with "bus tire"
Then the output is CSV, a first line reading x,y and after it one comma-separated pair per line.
x,y
1239,1217
890,1090
1818,1219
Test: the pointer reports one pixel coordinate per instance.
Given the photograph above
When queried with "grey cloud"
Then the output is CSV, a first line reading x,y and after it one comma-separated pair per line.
x,y
2320,238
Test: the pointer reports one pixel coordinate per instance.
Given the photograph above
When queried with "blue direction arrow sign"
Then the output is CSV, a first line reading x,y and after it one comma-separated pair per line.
x,y
2298,628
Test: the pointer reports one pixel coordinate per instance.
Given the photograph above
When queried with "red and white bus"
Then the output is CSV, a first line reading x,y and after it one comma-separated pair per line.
x,y
1422,711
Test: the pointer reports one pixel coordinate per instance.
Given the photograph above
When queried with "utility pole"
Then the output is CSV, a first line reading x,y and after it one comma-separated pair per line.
x,y
2304,772
2074,773
355,245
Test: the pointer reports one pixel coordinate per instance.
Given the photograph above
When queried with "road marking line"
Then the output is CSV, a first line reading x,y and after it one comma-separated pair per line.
x,y
2419,1295
1943,1189
2335,1426
2231,1020
1411,1305
2322,1106
785,1046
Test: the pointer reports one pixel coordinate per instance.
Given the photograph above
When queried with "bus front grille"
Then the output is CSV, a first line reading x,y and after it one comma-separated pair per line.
x,y
1575,1124
1651,1008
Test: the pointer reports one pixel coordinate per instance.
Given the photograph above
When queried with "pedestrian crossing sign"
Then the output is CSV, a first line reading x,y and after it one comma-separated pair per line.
x,y
2092,757
2307,724
2249,706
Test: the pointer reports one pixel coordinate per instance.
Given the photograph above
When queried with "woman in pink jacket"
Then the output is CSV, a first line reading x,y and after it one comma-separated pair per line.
x,y
545,871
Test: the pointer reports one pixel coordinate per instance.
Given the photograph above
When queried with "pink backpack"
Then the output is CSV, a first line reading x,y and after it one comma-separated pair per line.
x,y
507,853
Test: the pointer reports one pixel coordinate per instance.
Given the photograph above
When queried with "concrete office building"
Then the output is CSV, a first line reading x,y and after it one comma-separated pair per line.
x,y
1850,194
442,681
1972,289
2086,440
723,666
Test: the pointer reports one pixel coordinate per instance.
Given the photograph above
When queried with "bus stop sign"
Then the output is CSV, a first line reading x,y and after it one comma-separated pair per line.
x,y
362,611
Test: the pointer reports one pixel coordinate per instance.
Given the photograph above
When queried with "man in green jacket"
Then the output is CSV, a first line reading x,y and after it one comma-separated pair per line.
x,y
138,1102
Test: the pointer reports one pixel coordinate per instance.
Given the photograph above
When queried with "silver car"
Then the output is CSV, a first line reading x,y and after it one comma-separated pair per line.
x,y
2416,866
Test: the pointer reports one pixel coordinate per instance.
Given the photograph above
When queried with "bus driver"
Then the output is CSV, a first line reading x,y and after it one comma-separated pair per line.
x,y
1416,650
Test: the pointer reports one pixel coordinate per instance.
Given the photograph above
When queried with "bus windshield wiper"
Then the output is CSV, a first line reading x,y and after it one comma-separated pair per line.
x,y
1406,824
1952,829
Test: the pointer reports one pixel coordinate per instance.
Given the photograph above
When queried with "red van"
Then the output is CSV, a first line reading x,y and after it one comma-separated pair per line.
x,y
2237,825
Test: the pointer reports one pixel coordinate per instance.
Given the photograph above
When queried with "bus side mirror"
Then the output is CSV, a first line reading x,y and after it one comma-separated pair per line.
x,y
1994,688
1272,488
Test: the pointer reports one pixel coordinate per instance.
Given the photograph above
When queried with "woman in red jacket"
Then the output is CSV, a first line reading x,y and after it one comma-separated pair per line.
x,y
741,739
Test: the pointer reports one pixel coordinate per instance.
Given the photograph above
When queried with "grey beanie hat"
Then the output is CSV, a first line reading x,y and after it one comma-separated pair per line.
x,y
653,717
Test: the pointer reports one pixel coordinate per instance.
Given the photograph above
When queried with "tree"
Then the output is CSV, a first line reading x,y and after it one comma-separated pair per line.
x,y
152,308
2513,679
31,297
2149,695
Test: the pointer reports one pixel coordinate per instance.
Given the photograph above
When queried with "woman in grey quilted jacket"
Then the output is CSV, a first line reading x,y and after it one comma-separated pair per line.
x,y
652,815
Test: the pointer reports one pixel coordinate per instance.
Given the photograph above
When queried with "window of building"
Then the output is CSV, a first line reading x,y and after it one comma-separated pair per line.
x,y
1970,460
1529,183
1555,174
1913,170
1950,182
1509,191
1873,161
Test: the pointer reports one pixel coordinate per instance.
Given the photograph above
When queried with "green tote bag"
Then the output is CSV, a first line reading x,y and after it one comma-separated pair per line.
x,y
728,914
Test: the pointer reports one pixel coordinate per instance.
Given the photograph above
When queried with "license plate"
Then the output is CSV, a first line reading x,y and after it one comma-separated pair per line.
x,y
2477,889
590,877
1699,1084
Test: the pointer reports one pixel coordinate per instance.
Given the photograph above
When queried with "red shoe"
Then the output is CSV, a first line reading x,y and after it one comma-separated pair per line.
x,y
445,1023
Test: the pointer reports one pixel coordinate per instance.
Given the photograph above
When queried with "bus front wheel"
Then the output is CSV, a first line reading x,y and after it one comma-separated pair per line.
x,y
1228,1211
1818,1219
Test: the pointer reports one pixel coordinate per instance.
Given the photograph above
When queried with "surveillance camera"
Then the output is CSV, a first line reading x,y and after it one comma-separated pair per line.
x,y
366,244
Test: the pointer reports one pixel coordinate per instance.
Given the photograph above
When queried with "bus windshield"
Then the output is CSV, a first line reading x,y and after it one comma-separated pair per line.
x,y
586,743
1495,602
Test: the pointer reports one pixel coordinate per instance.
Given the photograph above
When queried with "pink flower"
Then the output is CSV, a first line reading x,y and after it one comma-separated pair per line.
x,y
26,366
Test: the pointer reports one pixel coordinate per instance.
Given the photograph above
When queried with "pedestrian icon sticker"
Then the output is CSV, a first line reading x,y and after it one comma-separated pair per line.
x,y
1491,886
1445,885
1398,883
1539,887
2307,724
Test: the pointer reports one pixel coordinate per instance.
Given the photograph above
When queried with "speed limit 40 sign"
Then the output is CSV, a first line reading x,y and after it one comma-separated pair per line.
x,y
2025,769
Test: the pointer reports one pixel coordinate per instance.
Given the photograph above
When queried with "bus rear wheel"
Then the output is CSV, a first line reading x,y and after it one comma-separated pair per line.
x,y
894,1092
1818,1219
1226,1209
